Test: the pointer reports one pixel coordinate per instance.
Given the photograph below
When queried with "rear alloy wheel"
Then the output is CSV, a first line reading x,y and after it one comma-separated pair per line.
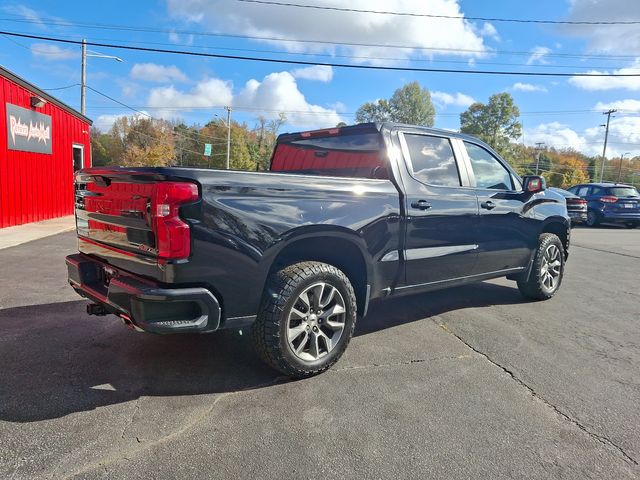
x,y
306,319
592,219
316,322
547,269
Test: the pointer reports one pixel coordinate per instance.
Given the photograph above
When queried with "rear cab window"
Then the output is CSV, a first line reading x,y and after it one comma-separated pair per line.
x,y
359,155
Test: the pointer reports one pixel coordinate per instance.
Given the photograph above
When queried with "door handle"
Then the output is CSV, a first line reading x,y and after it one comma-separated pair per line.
x,y
421,205
488,205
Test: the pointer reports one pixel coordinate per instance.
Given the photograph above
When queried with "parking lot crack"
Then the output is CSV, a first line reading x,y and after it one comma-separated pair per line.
x,y
596,436
136,409
397,364
127,455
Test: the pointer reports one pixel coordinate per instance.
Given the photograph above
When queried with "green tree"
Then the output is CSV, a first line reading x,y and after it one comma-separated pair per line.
x,y
409,104
189,145
496,123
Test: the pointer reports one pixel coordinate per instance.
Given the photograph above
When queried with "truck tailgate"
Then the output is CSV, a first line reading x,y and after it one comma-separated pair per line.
x,y
133,213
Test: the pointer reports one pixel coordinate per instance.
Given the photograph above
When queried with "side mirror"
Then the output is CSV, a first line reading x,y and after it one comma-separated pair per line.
x,y
533,184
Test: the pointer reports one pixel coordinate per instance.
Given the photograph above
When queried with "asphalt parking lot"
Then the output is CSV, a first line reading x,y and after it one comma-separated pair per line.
x,y
470,382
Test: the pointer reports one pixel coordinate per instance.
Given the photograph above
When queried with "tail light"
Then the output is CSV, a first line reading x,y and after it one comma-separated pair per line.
x,y
173,236
576,201
609,199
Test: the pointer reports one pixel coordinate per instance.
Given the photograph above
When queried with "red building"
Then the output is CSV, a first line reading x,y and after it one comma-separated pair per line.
x,y
42,142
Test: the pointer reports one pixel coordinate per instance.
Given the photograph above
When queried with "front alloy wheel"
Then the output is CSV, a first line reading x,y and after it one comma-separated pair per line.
x,y
547,269
551,267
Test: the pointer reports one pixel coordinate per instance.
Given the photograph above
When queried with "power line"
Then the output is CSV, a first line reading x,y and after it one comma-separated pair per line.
x,y
145,113
307,112
117,27
61,88
448,17
327,64
352,57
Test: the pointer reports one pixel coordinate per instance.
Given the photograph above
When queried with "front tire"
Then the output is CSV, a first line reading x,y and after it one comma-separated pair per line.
x,y
306,319
547,269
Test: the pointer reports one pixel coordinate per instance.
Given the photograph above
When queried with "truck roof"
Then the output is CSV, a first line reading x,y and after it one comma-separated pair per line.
x,y
372,127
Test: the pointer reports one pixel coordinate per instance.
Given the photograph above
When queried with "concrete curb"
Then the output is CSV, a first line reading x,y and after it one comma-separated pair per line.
x,y
12,236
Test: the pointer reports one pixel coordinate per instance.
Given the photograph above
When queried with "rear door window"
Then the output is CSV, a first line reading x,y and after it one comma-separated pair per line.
x,y
432,160
488,170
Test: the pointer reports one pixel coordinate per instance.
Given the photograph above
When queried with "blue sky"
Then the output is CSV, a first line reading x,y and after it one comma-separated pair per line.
x,y
562,112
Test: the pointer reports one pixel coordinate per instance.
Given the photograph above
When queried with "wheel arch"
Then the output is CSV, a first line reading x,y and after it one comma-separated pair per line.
x,y
341,248
561,227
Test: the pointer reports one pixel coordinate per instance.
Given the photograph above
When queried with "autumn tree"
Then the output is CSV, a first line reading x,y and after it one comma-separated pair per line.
x,y
496,123
409,104
145,142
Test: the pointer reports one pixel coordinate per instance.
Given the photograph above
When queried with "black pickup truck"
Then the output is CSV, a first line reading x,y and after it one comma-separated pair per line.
x,y
344,216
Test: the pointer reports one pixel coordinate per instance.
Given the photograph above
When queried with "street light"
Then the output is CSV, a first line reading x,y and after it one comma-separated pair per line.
x,y
83,76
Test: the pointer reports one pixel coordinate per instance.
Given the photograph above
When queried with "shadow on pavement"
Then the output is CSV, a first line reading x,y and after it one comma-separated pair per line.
x,y
54,360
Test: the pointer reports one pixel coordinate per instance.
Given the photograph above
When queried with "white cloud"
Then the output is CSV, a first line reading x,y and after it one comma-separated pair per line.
x,y
488,30
338,107
619,39
528,87
47,51
423,33
628,105
105,122
457,99
180,39
320,73
610,83
151,72
624,136
278,92
275,93
167,102
25,12
555,134
538,55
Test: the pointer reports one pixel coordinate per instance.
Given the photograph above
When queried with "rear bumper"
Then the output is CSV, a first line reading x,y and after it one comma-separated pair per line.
x,y
619,216
578,217
149,306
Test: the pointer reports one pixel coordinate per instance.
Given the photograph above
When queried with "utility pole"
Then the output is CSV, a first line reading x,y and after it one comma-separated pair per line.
x,y
228,109
620,166
606,136
539,146
83,73
83,76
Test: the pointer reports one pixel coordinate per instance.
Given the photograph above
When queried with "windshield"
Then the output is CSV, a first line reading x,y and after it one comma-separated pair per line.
x,y
623,192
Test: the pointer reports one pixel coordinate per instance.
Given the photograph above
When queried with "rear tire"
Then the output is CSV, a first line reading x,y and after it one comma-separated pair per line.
x,y
547,269
306,319
592,218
